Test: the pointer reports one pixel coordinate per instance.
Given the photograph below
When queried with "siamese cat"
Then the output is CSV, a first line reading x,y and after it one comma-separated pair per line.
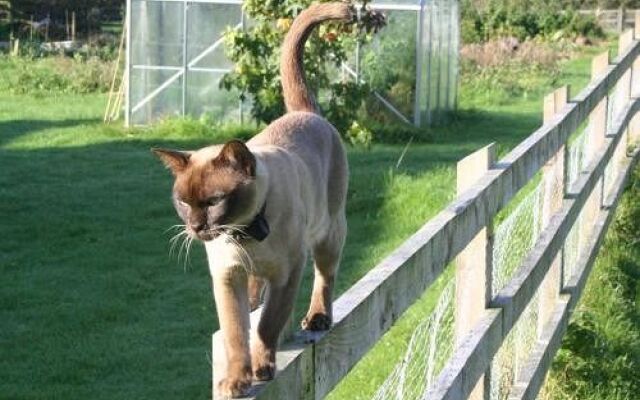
x,y
261,207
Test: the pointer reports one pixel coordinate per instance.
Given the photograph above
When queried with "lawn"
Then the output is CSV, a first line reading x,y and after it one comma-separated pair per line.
x,y
93,306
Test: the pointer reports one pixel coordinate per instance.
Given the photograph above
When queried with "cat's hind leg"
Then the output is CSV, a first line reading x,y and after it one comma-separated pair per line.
x,y
326,254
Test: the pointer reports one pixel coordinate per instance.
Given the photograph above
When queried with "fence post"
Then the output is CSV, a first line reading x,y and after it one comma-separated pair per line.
x,y
554,184
595,141
634,124
473,264
623,90
620,19
624,43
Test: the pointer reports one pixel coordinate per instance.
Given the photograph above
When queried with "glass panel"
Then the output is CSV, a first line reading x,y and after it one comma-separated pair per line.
x,y
156,33
204,97
167,100
445,57
440,48
388,64
454,54
206,24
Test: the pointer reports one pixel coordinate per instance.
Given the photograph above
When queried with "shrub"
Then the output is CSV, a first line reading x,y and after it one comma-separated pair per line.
x,y
524,19
255,52
59,74
359,135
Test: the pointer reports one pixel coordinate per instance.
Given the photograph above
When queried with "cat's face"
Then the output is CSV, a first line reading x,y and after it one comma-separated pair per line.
x,y
211,194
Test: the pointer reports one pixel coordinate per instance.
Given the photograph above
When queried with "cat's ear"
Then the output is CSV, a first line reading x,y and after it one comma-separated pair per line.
x,y
175,160
236,154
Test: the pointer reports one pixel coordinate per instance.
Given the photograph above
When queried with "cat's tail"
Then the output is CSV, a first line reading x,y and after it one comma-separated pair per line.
x,y
297,96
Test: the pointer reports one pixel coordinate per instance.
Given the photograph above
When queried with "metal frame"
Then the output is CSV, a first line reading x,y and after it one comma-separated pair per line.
x,y
420,8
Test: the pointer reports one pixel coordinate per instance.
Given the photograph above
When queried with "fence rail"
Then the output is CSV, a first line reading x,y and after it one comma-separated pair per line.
x,y
311,364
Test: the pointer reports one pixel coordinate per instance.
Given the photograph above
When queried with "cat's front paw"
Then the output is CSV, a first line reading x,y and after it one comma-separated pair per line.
x,y
264,372
263,361
316,322
235,386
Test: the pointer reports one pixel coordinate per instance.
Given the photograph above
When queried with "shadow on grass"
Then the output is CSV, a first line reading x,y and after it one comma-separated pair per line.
x,y
92,304
13,129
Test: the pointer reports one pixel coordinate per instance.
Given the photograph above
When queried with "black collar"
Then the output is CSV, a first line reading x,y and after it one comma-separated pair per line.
x,y
257,229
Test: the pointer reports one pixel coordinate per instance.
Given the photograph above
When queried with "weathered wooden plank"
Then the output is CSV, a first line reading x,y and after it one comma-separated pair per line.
x,y
294,375
474,263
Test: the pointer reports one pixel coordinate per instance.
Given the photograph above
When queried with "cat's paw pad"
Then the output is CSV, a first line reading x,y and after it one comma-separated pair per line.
x,y
264,372
316,322
234,387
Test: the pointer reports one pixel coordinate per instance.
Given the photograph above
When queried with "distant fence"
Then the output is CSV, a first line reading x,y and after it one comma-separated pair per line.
x,y
578,205
616,20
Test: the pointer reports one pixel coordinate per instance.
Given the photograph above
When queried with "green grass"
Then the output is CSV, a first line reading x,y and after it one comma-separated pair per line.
x,y
91,303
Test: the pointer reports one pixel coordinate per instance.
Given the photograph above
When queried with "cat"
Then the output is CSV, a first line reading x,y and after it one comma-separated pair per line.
x,y
260,207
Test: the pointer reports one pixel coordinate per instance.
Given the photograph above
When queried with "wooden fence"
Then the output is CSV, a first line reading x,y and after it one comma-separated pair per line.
x,y
310,365
616,20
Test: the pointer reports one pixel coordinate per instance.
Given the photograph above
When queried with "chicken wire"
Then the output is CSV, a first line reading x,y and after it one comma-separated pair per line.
x,y
431,344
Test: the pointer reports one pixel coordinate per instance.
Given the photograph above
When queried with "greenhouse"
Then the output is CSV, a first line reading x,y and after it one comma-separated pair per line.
x,y
175,60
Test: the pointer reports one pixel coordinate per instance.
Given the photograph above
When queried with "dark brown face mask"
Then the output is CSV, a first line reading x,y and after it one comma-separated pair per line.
x,y
258,229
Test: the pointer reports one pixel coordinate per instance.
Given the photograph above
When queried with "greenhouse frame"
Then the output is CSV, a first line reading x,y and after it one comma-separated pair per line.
x,y
175,60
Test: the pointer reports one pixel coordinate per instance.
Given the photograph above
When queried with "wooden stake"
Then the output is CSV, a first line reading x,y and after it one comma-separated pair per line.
x,y
16,48
108,112
67,28
73,26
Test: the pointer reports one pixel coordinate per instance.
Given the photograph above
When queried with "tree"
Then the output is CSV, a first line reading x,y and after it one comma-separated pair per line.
x,y
90,14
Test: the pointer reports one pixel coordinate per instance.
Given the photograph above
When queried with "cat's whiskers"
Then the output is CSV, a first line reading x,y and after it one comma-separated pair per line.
x,y
183,247
174,227
189,241
174,241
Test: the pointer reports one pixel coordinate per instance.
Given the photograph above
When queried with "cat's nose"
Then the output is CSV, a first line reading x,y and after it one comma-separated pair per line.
x,y
198,227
